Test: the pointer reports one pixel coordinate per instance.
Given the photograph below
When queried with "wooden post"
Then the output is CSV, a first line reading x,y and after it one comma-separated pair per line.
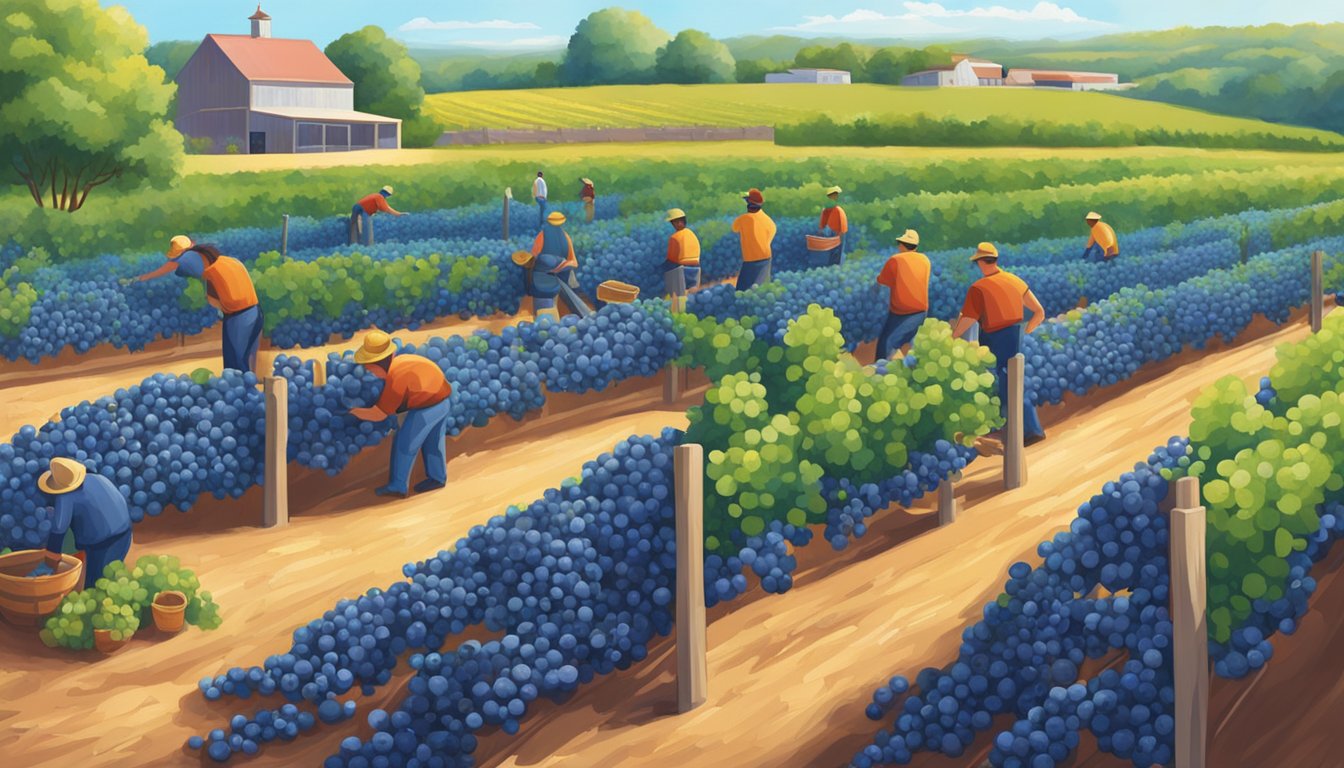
x,y
948,506
1317,291
276,484
692,672
319,373
1190,637
671,383
368,236
284,235
354,229
1014,462
507,197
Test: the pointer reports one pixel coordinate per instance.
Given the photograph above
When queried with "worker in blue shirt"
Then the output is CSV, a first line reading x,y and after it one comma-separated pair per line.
x,y
91,507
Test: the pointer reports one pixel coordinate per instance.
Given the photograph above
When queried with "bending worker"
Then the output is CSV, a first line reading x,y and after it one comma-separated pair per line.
x,y
681,270
1102,242
539,193
416,386
361,215
757,233
93,509
906,273
589,198
553,240
834,223
228,288
996,301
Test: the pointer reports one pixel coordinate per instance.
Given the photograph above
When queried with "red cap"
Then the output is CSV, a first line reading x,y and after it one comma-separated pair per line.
x,y
754,197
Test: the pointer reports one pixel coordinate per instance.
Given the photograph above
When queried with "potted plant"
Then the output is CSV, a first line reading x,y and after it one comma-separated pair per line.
x,y
170,610
114,623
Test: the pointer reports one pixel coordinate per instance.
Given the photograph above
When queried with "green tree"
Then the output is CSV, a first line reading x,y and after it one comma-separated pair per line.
x,y
613,45
695,57
889,65
171,56
546,75
386,78
843,56
755,70
79,104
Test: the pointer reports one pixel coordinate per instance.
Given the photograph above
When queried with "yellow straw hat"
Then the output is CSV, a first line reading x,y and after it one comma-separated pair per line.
x,y
555,217
985,251
377,346
911,237
1093,216
586,180
178,246
388,189
521,257
834,191
64,476
675,213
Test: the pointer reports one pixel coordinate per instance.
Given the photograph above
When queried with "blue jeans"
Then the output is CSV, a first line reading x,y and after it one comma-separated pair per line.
x,y
242,337
422,431
360,221
836,254
99,555
753,273
541,212
1004,344
898,331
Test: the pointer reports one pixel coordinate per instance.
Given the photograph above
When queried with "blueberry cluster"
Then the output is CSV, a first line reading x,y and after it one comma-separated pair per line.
x,y
622,341
248,735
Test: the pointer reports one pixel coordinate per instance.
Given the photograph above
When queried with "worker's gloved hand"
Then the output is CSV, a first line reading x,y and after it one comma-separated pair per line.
x,y
41,570
125,281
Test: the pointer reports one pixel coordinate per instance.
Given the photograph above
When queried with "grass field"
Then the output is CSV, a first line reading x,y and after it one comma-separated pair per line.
x,y
761,104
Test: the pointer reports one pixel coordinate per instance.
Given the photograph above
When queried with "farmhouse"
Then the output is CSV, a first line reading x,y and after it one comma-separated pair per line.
x,y
965,71
1076,81
269,95
817,76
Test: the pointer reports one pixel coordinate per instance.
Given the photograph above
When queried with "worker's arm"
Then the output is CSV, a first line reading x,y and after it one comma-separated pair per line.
x,y
536,245
60,523
1037,311
970,313
674,250
386,207
167,268
571,260
964,324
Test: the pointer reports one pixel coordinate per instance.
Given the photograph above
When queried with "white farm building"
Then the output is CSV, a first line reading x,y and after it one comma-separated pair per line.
x,y
814,76
270,95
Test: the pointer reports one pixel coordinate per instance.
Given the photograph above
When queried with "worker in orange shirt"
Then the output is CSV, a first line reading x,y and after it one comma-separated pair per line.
x,y
996,302
416,386
228,288
757,233
834,223
554,241
362,214
906,273
681,269
1102,241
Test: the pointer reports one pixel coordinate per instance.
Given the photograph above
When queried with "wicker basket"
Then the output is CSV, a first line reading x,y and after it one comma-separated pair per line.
x,y
616,292
26,601
818,243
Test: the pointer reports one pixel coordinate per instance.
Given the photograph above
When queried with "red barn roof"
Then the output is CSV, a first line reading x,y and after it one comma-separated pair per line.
x,y
988,71
275,59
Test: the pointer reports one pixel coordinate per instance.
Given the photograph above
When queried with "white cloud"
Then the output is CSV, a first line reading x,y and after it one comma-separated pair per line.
x,y
518,44
928,19
421,24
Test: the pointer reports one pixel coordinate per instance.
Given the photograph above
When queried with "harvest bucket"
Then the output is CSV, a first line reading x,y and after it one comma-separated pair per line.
x,y
169,609
103,642
818,243
616,292
25,601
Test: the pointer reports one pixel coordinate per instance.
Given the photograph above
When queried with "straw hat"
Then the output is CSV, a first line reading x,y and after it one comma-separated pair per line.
x,y
833,191
754,197
521,258
555,217
675,213
1093,216
586,180
387,189
985,251
64,476
178,246
911,237
377,346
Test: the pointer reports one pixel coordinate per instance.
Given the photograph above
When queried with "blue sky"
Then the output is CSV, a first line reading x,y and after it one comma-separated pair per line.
x,y
527,24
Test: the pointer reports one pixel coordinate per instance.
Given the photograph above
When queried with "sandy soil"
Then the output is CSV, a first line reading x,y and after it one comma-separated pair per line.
x,y
789,675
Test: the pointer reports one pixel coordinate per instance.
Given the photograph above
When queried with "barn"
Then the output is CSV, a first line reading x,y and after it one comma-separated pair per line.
x,y
256,94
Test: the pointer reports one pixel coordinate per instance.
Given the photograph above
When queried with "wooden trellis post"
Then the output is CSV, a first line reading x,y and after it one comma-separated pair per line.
x,y
1189,628
284,235
1317,291
1014,458
276,485
692,667
948,506
508,195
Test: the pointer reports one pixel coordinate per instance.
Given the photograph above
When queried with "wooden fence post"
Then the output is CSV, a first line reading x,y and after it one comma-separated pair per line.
x,y
671,383
354,229
1014,460
1317,291
507,198
692,672
368,236
319,373
276,485
948,506
284,235
1190,638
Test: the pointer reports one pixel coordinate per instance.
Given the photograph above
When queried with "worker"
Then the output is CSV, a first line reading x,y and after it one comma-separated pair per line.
x,y
906,274
539,192
996,302
1102,242
589,198
553,240
757,233
683,255
834,223
361,215
228,288
416,386
540,280
90,507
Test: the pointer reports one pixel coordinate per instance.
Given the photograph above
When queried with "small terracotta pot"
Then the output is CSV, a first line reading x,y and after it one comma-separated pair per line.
x,y
102,640
170,610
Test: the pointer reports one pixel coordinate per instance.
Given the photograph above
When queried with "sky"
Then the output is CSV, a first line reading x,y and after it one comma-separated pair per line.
x,y
522,25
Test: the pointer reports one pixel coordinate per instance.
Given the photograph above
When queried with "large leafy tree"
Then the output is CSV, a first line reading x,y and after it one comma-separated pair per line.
x,y
386,78
79,104
843,56
613,45
695,57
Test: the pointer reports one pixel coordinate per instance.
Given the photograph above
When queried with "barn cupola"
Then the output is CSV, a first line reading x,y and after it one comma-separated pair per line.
x,y
261,23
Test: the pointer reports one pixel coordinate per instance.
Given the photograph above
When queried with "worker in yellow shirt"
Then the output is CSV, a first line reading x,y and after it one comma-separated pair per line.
x,y
681,269
757,233
906,273
834,223
996,302
1102,241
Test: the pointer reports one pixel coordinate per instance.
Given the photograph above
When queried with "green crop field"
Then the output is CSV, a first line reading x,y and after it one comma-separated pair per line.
x,y
762,104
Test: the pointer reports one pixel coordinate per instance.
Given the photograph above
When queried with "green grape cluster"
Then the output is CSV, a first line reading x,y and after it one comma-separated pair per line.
x,y
72,624
121,618
720,348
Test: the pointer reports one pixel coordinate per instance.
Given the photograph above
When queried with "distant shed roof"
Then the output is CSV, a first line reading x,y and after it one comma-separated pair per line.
x,y
279,60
